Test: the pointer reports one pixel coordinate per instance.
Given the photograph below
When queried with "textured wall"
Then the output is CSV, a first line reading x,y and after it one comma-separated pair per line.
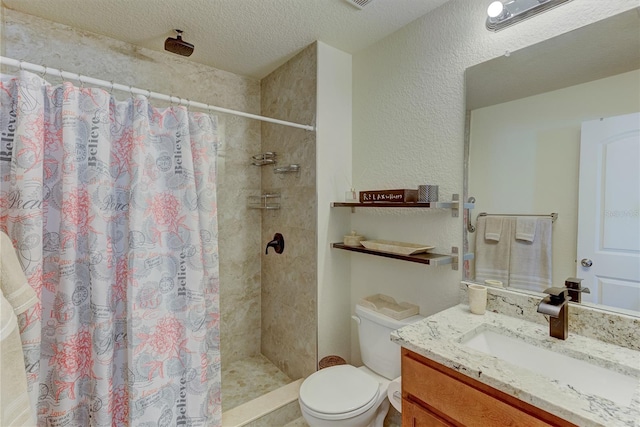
x,y
333,177
59,46
289,279
408,129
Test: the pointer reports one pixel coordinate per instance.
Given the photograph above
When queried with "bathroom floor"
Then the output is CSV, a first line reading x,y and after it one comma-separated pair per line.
x,y
394,419
300,422
246,379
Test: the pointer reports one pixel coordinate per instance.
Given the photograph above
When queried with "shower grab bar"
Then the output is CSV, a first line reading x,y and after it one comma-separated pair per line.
x,y
470,227
149,94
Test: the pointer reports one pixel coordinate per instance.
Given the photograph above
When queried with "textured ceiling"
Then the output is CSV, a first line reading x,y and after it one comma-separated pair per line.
x,y
246,37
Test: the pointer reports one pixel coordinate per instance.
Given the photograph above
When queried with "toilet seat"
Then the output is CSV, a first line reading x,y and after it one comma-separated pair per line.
x,y
339,392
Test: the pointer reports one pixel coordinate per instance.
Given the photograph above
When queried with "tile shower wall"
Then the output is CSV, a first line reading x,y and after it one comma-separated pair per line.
x,y
43,42
289,280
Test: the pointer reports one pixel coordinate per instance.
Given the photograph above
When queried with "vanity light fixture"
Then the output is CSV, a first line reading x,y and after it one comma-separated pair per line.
x,y
502,14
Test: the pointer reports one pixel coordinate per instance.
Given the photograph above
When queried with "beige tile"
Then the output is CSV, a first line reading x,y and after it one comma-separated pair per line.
x,y
246,379
298,422
280,402
279,417
393,419
289,285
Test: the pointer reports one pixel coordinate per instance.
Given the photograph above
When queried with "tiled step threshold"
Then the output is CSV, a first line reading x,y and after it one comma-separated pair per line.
x,y
277,407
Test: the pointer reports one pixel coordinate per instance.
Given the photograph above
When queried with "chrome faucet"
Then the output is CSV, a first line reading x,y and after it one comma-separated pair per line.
x,y
555,305
574,284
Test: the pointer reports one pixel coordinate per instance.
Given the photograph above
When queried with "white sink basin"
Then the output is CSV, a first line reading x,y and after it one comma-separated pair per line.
x,y
584,377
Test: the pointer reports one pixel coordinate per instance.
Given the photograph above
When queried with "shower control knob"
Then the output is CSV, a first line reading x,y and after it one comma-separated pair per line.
x,y
586,262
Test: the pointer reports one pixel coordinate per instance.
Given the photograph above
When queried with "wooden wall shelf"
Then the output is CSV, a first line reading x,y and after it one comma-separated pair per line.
x,y
423,258
454,205
447,205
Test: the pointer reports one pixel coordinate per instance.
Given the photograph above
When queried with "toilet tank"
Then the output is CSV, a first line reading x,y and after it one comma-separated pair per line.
x,y
377,351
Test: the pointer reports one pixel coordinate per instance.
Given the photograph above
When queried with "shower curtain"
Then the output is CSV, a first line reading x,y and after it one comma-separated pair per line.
x,y
111,206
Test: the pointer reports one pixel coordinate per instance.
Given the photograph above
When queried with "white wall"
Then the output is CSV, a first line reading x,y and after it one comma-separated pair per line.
x,y
333,177
408,129
535,141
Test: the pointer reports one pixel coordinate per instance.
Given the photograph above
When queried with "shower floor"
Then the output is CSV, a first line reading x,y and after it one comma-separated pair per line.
x,y
246,379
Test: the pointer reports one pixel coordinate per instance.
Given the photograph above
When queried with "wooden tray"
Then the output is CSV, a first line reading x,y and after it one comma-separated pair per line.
x,y
394,247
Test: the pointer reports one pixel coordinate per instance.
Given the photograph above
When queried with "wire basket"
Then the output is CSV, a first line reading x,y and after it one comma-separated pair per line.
x,y
328,361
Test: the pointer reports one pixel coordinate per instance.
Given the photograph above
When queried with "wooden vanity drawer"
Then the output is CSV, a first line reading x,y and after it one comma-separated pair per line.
x,y
461,400
415,416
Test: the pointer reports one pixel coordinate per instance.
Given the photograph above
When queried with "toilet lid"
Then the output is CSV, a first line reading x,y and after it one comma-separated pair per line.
x,y
338,389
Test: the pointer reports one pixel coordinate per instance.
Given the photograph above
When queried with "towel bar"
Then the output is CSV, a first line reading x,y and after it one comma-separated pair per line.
x,y
471,228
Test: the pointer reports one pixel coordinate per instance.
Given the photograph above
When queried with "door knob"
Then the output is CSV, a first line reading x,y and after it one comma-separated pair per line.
x,y
586,262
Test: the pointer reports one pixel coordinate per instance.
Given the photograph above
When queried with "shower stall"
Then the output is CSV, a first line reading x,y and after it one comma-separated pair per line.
x,y
268,302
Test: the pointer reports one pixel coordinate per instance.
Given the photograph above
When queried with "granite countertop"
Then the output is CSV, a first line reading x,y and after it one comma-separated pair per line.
x,y
439,337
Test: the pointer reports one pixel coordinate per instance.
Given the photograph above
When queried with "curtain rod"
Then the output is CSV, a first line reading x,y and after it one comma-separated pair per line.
x,y
149,94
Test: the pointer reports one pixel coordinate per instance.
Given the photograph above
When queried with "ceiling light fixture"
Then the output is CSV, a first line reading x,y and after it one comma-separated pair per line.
x,y
502,14
495,9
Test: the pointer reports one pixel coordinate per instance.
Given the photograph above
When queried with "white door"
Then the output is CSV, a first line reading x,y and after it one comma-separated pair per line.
x,y
609,218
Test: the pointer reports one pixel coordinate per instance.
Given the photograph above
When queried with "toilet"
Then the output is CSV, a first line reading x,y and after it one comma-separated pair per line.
x,y
347,396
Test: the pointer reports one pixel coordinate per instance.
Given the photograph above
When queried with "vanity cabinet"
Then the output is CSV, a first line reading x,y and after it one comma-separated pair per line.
x,y
434,395
415,416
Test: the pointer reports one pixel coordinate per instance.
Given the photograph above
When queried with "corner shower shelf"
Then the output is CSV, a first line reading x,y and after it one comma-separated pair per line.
x,y
423,258
269,201
287,169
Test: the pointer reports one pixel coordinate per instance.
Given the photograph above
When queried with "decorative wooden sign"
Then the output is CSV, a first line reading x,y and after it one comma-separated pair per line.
x,y
396,196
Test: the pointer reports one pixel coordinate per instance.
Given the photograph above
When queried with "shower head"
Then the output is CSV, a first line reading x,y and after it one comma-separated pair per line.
x,y
177,45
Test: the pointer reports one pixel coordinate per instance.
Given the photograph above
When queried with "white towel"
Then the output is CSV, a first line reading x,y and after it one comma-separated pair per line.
x,y
15,407
492,257
493,229
526,228
13,282
530,266
16,402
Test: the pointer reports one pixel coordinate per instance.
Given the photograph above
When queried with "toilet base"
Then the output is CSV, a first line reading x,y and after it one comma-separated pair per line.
x,y
381,414
374,417
366,419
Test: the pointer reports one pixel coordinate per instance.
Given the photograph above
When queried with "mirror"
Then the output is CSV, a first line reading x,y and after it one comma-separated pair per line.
x,y
524,115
